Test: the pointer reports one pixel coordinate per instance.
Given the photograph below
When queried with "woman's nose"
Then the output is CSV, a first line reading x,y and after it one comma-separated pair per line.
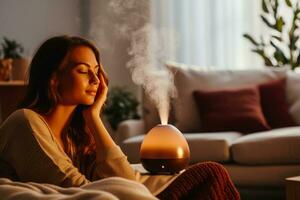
x,y
94,79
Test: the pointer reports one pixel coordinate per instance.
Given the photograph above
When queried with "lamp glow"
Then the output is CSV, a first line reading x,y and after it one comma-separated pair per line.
x,y
164,150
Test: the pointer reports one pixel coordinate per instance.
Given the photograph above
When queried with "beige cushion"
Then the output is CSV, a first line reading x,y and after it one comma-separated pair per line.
x,y
188,80
210,146
203,146
293,94
256,176
131,148
278,146
129,128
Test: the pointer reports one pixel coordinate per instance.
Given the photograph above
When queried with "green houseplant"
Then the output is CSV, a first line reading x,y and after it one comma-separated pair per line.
x,y
120,105
14,50
11,48
283,37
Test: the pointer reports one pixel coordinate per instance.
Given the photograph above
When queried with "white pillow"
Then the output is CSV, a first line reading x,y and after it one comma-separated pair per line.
x,y
188,80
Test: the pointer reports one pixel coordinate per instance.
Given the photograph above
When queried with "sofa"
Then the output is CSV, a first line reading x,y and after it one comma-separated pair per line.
x,y
257,155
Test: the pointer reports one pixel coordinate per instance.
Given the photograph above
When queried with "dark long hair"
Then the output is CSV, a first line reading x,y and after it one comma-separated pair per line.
x,y
41,97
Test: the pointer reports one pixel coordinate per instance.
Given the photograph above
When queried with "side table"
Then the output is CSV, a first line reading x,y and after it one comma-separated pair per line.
x,y
11,92
293,188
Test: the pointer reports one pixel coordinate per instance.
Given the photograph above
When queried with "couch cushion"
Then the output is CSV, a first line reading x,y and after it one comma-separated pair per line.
x,y
293,94
203,146
231,110
261,176
274,104
211,146
278,146
188,80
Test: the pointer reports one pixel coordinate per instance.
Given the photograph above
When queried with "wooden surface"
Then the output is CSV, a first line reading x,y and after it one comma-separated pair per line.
x,y
12,83
293,188
11,93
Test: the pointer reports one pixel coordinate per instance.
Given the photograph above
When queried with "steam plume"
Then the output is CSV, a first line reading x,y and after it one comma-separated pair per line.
x,y
149,48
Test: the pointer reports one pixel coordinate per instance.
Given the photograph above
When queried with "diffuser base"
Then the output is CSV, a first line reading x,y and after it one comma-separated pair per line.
x,y
164,166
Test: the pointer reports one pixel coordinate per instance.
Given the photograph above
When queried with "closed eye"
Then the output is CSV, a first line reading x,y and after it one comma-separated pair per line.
x,y
83,68
83,72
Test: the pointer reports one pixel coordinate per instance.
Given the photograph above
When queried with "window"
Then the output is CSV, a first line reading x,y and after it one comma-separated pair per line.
x,y
210,31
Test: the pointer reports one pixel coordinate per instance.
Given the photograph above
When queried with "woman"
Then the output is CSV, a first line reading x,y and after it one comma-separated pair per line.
x,y
59,138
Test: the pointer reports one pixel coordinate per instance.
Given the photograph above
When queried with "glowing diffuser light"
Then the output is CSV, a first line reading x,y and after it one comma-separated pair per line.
x,y
164,150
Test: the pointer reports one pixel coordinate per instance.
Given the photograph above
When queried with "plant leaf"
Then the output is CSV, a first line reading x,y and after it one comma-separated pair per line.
x,y
267,22
277,38
276,4
288,3
298,60
279,24
264,6
11,49
293,42
120,105
260,52
262,43
297,11
279,55
247,36
273,44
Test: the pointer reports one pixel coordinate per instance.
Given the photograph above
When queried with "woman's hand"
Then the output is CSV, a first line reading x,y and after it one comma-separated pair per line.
x,y
100,97
92,118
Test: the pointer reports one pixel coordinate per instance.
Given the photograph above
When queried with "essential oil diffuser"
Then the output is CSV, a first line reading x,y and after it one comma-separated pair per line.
x,y
164,150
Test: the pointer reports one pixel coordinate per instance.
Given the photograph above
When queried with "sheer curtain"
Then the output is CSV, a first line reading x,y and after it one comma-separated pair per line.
x,y
210,31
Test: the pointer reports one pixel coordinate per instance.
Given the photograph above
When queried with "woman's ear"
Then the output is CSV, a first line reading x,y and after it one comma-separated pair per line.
x,y
54,81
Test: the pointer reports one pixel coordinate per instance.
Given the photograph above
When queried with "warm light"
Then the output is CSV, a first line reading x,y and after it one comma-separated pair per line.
x,y
180,152
164,149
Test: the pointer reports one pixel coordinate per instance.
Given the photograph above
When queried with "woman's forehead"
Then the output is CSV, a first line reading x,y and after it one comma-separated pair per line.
x,y
80,55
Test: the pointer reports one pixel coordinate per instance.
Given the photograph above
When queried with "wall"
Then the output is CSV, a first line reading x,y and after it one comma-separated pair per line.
x,y
110,27
32,21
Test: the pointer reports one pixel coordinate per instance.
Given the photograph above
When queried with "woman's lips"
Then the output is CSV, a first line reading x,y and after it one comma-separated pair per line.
x,y
91,92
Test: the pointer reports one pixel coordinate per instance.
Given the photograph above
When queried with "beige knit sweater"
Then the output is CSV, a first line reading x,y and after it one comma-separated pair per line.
x,y
29,152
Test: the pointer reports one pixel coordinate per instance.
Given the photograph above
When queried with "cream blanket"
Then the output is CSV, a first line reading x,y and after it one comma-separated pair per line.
x,y
106,189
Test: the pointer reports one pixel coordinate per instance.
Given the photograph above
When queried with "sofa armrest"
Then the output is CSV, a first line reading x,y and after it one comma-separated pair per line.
x,y
130,128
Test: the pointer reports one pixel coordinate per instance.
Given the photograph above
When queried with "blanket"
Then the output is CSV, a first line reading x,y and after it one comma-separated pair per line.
x,y
113,188
201,181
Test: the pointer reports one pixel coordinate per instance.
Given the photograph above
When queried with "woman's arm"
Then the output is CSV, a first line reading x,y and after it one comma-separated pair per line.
x,y
92,114
28,146
110,159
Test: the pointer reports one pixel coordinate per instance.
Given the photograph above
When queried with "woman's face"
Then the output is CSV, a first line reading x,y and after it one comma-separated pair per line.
x,y
77,81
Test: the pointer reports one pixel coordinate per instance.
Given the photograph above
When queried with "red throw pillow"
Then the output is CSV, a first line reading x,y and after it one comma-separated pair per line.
x,y
274,105
231,110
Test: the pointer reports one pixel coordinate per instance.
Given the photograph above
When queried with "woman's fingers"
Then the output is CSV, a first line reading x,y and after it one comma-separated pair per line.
x,y
103,74
103,83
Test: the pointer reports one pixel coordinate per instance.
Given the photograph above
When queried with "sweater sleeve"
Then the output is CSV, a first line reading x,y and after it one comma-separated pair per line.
x,y
29,147
115,164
